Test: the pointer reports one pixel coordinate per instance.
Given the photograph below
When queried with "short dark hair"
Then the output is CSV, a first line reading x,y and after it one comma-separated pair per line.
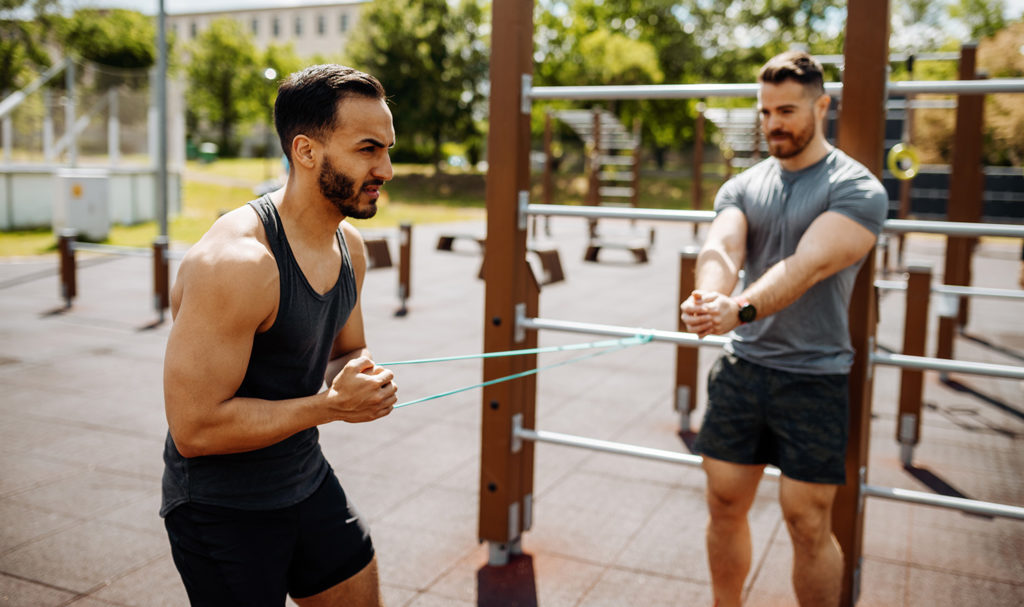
x,y
798,66
307,101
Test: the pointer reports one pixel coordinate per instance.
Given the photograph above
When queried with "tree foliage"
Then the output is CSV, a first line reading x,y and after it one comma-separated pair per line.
x,y
23,41
431,57
224,76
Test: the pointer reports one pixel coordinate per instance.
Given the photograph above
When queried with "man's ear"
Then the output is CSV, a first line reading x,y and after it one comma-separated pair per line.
x,y
304,151
821,105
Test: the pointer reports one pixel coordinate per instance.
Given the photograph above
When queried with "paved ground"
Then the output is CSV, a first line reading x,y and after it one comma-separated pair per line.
x,y
82,426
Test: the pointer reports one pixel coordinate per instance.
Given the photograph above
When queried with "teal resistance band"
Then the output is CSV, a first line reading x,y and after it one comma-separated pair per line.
x,y
612,345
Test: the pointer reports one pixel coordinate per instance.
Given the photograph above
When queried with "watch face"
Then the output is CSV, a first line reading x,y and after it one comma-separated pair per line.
x,y
748,313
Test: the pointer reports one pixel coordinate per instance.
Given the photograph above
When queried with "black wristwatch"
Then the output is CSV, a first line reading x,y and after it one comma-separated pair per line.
x,y
748,313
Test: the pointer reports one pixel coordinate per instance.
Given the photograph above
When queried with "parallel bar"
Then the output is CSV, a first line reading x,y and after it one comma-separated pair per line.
x,y
943,501
953,228
947,366
891,225
749,90
900,285
582,442
568,326
109,249
619,213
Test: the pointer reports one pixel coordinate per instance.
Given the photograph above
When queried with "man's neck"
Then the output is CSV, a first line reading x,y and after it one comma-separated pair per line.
x,y
303,208
817,149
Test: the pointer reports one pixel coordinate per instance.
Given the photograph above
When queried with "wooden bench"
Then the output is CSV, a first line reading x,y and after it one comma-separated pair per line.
x,y
377,253
637,248
445,241
550,264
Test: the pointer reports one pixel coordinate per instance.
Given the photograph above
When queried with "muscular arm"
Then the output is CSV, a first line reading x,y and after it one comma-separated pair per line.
x,y
226,291
718,268
832,242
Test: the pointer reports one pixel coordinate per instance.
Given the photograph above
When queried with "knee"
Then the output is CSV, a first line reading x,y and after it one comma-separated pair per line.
x,y
725,509
809,530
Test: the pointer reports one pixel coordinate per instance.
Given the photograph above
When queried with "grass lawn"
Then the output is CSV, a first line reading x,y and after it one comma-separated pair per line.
x,y
416,195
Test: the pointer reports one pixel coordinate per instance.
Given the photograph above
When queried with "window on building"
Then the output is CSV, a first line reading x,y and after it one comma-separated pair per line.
x,y
321,25
275,25
344,22
193,29
298,26
174,28
255,26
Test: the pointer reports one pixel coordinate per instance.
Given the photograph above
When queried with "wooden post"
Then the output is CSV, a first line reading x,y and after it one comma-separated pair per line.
x,y
502,507
637,157
161,277
915,331
404,267
861,135
593,191
686,357
68,279
966,186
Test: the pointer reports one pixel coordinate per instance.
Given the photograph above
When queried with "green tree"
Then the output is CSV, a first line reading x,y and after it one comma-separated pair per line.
x,y
23,41
983,18
224,75
431,57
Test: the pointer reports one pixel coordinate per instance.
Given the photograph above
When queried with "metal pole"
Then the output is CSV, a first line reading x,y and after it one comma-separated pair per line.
x,y
571,326
161,122
69,113
944,501
861,135
947,366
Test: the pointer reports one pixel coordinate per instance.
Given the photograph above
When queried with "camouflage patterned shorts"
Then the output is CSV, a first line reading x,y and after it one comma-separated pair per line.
x,y
757,415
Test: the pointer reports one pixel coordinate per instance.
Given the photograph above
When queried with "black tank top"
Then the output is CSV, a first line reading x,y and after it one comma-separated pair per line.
x,y
287,361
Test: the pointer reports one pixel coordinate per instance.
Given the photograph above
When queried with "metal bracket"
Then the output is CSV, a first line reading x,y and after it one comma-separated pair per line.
x,y
520,331
524,200
513,522
517,425
526,104
870,372
527,513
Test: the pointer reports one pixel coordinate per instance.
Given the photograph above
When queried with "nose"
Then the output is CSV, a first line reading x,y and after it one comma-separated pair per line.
x,y
384,171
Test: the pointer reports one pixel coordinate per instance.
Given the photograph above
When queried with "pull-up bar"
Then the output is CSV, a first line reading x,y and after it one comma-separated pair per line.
x,y
697,91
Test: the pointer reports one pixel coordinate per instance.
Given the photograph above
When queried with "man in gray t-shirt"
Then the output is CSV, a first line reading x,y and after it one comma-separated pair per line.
x,y
800,224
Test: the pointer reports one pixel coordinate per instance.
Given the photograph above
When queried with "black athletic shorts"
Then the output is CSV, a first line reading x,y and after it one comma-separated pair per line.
x,y
229,557
796,421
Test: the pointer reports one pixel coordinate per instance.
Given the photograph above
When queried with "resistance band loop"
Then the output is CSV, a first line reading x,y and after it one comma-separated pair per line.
x,y
608,343
611,345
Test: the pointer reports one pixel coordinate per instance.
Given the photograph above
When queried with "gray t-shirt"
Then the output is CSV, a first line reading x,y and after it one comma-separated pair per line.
x,y
811,335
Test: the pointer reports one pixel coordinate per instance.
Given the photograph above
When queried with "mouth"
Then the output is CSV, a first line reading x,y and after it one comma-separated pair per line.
x,y
372,190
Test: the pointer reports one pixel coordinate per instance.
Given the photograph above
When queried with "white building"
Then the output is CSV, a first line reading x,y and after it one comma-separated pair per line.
x,y
312,29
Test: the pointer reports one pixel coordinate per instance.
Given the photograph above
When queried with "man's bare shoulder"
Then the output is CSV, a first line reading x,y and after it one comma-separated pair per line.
x,y
232,256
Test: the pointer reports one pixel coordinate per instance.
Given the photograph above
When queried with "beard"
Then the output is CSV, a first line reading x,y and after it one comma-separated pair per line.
x,y
340,190
796,143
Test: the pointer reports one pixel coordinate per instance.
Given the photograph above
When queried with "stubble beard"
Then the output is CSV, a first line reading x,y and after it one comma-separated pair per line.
x,y
796,144
340,190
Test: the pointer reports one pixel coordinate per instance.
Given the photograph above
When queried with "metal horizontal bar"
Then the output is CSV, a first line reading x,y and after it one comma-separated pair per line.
x,y
946,366
109,249
979,291
749,90
582,442
944,501
630,213
569,326
953,228
901,285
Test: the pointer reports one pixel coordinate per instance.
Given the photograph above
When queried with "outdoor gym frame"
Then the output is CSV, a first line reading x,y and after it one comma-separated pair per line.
x,y
508,429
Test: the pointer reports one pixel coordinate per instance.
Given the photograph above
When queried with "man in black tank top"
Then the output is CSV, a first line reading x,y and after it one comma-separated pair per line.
x,y
266,310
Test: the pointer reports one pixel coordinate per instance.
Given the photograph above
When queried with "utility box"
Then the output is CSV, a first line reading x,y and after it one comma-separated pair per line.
x,y
82,203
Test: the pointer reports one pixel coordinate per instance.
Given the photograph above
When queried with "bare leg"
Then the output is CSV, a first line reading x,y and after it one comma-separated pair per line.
x,y
817,559
730,492
360,590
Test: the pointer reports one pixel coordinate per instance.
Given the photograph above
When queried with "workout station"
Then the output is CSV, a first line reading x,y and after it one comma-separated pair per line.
x,y
541,449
